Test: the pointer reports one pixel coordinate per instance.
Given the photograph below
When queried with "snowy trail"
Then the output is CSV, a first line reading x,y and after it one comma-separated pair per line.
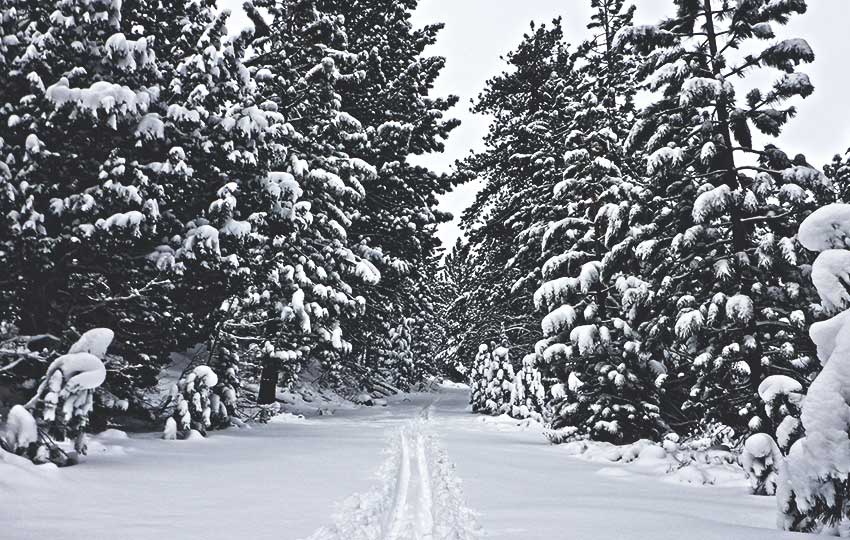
x,y
284,480
404,502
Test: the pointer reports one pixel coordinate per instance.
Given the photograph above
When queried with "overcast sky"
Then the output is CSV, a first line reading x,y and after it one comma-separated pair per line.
x,y
477,32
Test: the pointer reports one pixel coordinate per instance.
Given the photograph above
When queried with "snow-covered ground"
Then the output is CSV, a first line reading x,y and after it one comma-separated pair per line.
x,y
421,468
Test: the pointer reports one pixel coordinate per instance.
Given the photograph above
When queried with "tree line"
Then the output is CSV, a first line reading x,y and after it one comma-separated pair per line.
x,y
177,183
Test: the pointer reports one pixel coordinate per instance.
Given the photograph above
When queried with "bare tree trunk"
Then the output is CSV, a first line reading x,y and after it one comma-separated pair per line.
x,y
268,382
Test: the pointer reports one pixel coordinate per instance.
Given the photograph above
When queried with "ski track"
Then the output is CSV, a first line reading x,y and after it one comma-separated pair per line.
x,y
418,496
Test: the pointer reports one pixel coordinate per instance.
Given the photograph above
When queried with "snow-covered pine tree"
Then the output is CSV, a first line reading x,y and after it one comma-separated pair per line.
x,y
401,119
500,386
79,212
716,239
530,106
197,407
838,170
528,393
760,458
453,284
480,375
298,295
607,386
491,380
142,141
398,361
65,396
812,494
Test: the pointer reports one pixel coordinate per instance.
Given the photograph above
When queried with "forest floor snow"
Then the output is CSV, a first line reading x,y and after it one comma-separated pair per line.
x,y
442,473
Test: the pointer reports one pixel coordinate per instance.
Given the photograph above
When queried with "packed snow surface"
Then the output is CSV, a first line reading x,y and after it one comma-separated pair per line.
x,y
422,464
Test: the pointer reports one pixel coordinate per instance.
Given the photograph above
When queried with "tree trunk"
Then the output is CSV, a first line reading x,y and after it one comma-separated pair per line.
x,y
268,382
727,163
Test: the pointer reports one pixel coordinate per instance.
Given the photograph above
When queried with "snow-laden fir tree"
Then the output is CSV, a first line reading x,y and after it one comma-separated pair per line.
x,y
196,406
521,162
141,145
480,375
500,385
782,400
398,363
528,392
401,119
491,380
74,93
65,397
453,281
813,490
607,386
716,238
297,292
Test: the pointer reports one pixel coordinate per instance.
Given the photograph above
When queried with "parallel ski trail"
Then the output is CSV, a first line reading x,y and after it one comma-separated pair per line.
x,y
418,498
398,518
425,515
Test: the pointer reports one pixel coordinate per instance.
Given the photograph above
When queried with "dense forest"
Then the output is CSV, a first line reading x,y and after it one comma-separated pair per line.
x,y
235,215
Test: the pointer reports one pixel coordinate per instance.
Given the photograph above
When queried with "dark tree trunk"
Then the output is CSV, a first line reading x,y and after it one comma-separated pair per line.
x,y
268,382
730,172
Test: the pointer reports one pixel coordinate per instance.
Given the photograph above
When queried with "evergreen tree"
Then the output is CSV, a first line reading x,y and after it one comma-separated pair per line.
x,y
782,402
519,166
401,119
812,493
491,380
716,237
607,386
399,365
760,458
528,393
300,297
480,375
80,211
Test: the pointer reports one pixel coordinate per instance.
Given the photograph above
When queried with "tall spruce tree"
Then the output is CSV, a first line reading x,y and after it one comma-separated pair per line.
x,y
401,119
607,385
92,155
307,271
519,166
716,239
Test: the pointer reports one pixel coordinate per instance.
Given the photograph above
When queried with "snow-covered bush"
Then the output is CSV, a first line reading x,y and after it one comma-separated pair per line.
x,y
760,459
21,435
528,393
814,487
491,380
197,407
65,397
782,397
500,385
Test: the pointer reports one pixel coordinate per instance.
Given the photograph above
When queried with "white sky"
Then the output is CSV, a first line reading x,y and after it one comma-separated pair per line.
x,y
477,32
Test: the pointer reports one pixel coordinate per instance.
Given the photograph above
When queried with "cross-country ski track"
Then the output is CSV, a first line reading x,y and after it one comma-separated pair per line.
x,y
418,496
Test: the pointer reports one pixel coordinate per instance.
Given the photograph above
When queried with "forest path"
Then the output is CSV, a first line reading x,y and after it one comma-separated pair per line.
x,y
417,497
294,479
